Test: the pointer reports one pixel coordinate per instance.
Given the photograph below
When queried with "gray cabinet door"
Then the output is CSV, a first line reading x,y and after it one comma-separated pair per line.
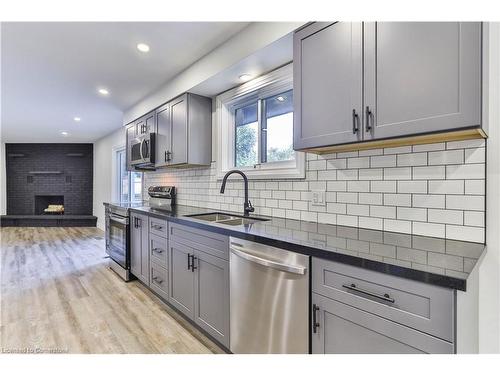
x,y
346,330
211,292
181,286
139,247
421,77
150,123
179,124
163,136
327,84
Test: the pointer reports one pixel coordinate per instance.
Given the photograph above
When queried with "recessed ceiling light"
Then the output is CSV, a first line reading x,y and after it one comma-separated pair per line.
x,y
143,47
245,77
103,91
77,119
281,98
64,134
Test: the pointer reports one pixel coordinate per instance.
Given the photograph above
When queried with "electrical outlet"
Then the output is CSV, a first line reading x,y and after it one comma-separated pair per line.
x,y
318,198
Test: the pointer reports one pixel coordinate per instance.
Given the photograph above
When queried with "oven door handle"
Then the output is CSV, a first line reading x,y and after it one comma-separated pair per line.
x,y
118,219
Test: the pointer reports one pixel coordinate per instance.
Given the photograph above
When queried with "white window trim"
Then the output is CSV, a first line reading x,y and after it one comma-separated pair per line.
x,y
115,188
273,83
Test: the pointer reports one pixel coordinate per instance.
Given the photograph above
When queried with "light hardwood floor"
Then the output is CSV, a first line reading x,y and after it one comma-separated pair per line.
x,y
58,293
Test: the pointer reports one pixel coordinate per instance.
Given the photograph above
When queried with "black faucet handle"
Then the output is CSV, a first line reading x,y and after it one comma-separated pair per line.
x,y
249,207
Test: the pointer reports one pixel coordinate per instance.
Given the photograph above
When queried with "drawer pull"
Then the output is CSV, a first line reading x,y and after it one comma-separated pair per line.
x,y
157,279
157,227
157,250
384,297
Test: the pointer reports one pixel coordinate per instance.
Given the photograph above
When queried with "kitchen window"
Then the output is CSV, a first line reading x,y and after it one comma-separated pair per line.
x,y
255,128
128,184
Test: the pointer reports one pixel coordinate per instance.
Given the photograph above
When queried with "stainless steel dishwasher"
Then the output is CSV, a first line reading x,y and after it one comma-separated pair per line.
x,y
269,298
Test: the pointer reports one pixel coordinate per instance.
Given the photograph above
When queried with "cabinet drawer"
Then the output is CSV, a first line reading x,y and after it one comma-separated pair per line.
x,y
158,227
159,280
343,329
158,248
427,308
209,242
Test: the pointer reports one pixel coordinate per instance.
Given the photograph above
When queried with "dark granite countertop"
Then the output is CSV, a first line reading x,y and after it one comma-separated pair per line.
x,y
436,261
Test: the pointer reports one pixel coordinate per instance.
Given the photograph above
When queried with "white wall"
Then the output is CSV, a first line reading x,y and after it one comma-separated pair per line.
x,y
489,269
104,171
248,41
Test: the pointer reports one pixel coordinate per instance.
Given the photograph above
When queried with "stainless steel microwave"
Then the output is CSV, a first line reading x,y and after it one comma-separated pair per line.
x,y
142,151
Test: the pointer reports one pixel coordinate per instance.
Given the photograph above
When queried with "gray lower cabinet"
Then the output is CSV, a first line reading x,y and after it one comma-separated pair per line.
x,y
343,329
184,132
199,279
139,247
181,277
362,311
211,293
368,81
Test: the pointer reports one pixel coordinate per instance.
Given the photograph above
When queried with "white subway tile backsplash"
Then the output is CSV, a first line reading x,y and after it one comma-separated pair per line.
x,y
358,186
446,157
371,223
383,212
429,173
358,162
475,187
428,229
370,198
371,174
410,160
400,226
470,143
474,219
445,216
465,202
446,187
465,172
402,200
413,214
383,186
412,187
475,155
428,201
397,150
429,147
431,189
402,173
383,161
464,233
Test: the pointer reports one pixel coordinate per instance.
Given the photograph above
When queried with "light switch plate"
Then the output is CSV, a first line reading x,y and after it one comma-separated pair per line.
x,y
318,198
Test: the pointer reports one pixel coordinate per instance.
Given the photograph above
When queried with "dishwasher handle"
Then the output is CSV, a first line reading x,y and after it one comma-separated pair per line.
x,y
268,263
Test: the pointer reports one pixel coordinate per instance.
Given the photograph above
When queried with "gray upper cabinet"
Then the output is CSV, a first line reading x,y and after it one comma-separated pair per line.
x,y
142,125
327,84
421,77
184,132
139,247
387,79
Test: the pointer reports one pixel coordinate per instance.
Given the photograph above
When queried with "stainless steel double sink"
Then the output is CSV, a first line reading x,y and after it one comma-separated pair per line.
x,y
227,219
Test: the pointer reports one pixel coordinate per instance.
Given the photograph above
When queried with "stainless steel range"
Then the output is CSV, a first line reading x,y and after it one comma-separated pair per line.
x,y
118,230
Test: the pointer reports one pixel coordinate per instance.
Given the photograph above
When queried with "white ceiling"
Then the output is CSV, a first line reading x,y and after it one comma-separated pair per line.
x,y
51,72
